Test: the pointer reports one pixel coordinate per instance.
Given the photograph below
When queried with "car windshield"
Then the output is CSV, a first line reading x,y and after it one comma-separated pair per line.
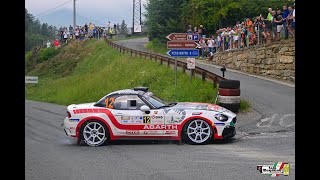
x,y
156,101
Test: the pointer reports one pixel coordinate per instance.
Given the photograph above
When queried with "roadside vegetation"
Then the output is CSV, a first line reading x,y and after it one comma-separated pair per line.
x,y
86,71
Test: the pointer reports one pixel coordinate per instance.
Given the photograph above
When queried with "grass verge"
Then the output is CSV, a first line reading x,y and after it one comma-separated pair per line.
x,y
97,70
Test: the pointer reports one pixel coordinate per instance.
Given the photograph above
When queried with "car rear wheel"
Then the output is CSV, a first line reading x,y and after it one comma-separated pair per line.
x,y
94,133
197,131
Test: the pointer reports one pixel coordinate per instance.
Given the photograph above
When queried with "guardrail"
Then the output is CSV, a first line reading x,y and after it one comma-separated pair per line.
x,y
205,74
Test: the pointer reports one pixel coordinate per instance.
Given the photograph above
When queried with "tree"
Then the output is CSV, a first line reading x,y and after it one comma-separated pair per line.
x,y
123,28
167,16
35,32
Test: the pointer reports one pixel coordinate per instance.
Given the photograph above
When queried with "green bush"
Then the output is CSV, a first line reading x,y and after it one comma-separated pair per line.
x,y
47,53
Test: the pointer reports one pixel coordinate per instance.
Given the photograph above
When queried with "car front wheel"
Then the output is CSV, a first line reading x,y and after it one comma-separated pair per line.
x,y
197,131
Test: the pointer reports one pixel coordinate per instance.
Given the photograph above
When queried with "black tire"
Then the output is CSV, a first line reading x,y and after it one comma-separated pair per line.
x,y
106,139
229,84
186,138
232,107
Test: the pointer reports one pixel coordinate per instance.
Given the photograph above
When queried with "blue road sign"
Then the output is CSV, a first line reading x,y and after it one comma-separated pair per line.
x,y
183,52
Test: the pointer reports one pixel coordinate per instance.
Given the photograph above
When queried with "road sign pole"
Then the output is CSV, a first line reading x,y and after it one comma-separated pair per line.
x,y
175,73
190,75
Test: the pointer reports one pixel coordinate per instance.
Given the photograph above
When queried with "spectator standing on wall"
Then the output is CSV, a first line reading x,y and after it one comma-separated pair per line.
x,y
265,32
285,14
210,43
278,19
189,30
218,41
274,24
202,43
269,17
48,43
244,33
200,30
290,21
249,25
235,35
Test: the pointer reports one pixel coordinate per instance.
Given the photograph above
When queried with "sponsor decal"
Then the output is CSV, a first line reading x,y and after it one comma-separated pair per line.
x,y
72,128
214,107
155,112
152,132
146,119
132,132
157,117
124,121
177,115
156,121
74,120
275,170
171,132
125,118
220,124
164,126
196,113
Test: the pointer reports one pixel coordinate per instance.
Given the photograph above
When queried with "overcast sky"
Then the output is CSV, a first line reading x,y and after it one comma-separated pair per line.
x,y
99,10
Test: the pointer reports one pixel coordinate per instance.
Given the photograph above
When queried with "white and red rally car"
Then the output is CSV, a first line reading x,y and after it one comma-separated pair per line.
x,y
138,114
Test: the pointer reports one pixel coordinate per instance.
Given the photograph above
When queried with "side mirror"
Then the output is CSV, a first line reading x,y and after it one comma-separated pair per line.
x,y
145,109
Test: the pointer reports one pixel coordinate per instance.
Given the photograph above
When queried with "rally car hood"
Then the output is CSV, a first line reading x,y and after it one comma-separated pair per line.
x,y
200,106
84,105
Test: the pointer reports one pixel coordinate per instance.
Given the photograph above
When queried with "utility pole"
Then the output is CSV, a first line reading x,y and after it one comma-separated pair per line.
x,y
74,14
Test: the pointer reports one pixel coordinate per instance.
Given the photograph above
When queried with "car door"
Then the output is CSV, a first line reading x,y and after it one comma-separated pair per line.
x,y
133,121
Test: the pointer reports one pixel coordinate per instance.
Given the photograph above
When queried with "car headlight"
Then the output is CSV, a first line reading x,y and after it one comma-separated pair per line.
x,y
221,117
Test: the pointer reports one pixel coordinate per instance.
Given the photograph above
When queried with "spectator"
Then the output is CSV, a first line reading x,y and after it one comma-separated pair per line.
x,y
48,43
274,24
195,29
94,31
269,17
65,36
284,17
278,19
77,34
219,39
61,35
71,30
86,28
244,34
226,39
265,32
249,25
203,47
294,18
114,28
189,30
201,32
210,43
56,43
290,21
235,37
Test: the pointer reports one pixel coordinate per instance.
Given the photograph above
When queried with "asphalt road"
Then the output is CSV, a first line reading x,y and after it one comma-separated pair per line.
x,y
264,136
49,154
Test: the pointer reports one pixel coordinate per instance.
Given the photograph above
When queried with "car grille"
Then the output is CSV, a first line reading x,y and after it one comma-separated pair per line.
x,y
234,120
228,132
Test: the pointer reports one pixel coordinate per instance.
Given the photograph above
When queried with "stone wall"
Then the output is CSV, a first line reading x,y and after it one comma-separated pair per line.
x,y
276,60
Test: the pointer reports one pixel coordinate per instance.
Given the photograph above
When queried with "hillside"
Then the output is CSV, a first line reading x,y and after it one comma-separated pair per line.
x,y
86,71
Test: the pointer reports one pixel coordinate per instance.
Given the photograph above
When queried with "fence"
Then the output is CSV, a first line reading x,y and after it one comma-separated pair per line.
x,y
205,74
